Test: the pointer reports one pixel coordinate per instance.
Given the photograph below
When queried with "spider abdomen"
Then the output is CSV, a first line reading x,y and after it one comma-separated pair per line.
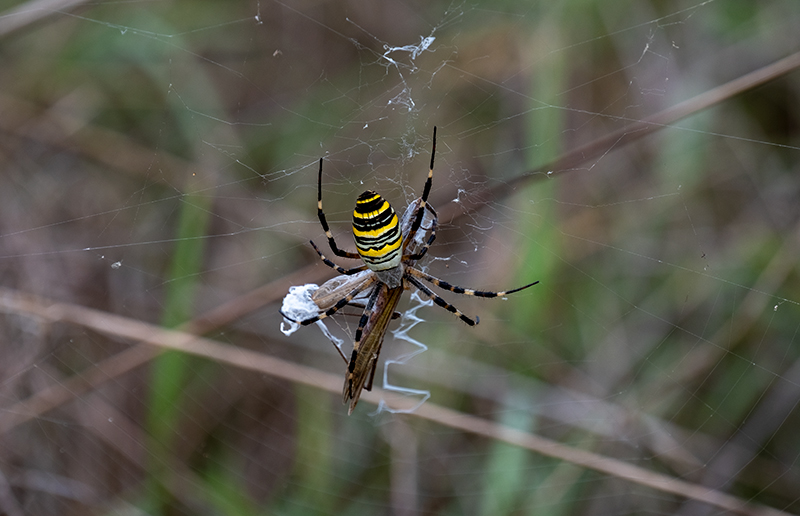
x,y
376,229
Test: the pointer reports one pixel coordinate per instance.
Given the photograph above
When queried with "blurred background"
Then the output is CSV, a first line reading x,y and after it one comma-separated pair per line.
x,y
159,161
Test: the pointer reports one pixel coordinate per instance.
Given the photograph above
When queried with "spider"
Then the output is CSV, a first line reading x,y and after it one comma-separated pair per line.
x,y
389,249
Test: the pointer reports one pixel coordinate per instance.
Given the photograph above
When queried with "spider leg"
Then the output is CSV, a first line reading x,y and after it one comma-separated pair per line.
x,y
461,290
357,342
335,308
439,301
340,270
418,255
363,321
321,214
425,192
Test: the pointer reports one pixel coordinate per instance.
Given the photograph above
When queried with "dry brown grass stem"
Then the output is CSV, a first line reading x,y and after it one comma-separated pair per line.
x,y
635,130
139,354
154,338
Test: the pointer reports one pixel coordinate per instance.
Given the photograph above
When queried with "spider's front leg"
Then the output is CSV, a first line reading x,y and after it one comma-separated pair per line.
x,y
339,304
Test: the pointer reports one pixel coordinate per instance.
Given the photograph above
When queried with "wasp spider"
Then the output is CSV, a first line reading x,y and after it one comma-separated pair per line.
x,y
388,249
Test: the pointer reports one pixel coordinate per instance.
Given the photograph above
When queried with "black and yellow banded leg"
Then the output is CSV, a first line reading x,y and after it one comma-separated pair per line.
x,y
321,214
340,304
340,270
461,290
425,192
441,302
363,322
424,249
351,367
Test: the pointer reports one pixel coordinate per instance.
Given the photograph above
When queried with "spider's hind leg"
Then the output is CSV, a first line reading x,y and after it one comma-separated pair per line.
x,y
322,220
425,191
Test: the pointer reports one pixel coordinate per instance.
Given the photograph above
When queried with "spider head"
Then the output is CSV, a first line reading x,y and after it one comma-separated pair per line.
x,y
376,229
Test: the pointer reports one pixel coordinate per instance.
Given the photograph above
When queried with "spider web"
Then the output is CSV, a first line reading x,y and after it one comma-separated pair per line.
x,y
159,187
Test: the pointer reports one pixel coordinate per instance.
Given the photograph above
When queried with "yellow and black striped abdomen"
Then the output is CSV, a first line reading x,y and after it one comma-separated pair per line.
x,y
377,232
